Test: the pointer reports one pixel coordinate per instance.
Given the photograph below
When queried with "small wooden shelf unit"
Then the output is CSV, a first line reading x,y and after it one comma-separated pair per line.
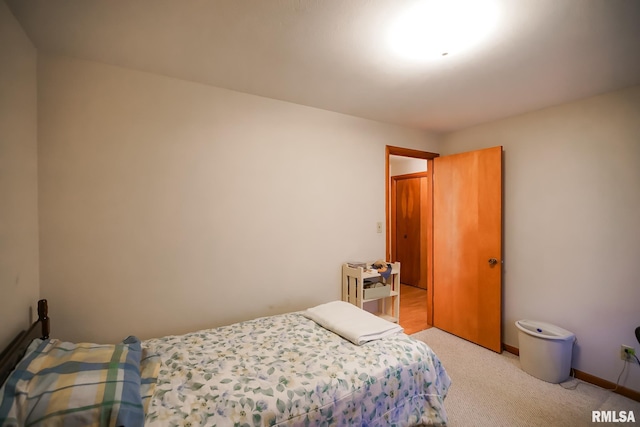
x,y
353,291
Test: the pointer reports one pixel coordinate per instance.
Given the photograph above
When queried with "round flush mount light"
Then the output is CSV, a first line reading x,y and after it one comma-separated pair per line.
x,y
429,29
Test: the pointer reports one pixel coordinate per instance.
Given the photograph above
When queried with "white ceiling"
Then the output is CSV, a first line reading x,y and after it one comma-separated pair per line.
x,y
332,54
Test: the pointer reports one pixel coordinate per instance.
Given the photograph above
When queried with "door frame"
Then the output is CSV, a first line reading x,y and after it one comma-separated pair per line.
x,y
428,156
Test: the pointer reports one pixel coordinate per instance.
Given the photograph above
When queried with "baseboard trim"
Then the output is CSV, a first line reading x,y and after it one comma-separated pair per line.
x,y
510,349
624,391
592,379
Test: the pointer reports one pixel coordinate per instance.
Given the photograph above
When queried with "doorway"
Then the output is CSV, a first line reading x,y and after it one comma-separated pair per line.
x,y
464,242
408,213
409,209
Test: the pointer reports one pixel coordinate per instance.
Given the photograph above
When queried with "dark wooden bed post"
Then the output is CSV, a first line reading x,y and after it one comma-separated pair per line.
x,y
10,356
43,317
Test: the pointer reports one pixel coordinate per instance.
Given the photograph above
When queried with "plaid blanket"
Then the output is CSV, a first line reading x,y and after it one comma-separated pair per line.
x,y
60,383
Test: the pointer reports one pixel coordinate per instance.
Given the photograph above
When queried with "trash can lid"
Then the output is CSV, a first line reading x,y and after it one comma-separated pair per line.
x,y
544,330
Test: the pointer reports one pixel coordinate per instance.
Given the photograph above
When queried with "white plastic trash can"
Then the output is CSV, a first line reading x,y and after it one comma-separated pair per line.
x,y
545,350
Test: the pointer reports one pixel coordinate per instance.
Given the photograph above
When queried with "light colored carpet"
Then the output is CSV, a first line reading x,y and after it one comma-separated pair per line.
x,y
490,389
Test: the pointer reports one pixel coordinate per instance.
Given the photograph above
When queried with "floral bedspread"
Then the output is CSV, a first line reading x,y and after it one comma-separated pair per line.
x,y
286,370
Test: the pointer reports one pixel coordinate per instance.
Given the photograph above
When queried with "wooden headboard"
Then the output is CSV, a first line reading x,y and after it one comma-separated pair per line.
x,y
11,355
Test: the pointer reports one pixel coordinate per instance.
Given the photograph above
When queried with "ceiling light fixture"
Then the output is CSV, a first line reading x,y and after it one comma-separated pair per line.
x,y
435,28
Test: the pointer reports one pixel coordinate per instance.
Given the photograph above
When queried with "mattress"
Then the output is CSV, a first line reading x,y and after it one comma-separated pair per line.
x,y
286,370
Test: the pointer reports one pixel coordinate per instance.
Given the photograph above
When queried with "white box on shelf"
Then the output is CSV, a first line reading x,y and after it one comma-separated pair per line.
x,y
377,292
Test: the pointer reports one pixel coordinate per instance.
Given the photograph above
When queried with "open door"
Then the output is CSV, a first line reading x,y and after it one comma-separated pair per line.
x,y
467,246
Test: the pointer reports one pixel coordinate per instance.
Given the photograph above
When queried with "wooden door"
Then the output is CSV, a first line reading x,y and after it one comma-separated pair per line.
x,y
467,221
408,217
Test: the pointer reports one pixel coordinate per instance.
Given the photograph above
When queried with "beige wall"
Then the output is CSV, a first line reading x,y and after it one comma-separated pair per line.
x,y
19,287
399,165
167,205
571,223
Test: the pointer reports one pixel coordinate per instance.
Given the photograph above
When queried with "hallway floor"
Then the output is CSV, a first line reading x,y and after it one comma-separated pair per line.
x,y
413,309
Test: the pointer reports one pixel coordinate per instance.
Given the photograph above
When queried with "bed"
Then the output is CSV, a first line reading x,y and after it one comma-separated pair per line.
x,y
284,370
